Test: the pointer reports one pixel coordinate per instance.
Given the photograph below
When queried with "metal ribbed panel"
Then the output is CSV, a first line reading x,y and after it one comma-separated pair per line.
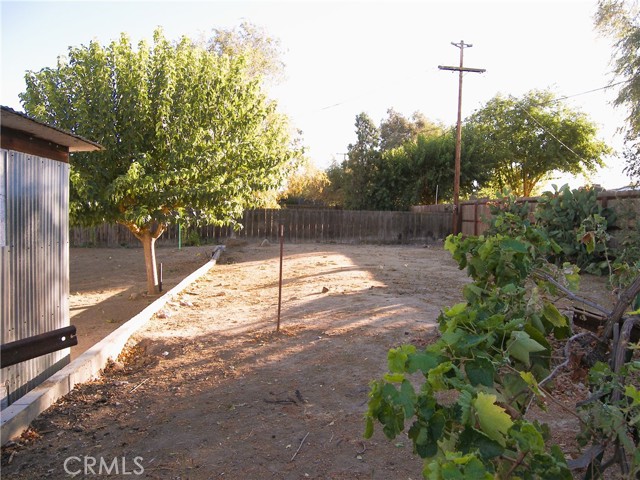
x,y
34,281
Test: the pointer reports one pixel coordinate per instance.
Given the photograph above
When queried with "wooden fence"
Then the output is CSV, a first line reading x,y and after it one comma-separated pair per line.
x,y
304,225
423,224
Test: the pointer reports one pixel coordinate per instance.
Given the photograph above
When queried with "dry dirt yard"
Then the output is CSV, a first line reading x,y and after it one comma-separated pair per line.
x,y
212,391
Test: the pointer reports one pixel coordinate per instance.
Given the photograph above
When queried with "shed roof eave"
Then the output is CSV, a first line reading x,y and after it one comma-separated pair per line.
x,y
9,118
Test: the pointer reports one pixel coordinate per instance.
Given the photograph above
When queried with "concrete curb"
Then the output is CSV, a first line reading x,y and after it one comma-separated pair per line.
x,y
17,416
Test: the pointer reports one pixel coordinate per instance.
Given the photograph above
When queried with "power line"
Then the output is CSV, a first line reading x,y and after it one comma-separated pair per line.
x,y
557,100
394,84
606,87
552,135
565,97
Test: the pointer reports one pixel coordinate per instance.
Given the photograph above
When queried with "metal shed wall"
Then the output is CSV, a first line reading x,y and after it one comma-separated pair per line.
x,y
34,275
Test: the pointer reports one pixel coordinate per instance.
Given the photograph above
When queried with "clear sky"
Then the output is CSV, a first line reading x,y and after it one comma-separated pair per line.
x,y
347,57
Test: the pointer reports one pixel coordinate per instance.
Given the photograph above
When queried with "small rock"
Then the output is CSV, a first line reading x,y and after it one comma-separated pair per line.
x,y
117,366
325,289
163,314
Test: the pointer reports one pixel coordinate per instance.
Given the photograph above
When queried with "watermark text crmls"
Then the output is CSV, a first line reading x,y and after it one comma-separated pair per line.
x,y
90,465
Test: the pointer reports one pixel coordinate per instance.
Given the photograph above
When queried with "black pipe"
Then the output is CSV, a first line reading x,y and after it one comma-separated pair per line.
x,y
38,345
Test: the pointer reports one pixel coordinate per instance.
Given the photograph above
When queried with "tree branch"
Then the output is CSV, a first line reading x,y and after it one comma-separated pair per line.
x,y
159,230
133,228
620,307
566,355
516,463
576,298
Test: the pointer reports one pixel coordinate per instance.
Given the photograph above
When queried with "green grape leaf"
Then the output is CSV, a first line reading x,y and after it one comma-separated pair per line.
x,y
472,439
465,400
531,381
514,385
480,371
551,313
407,398
513,244
493,420
423,361
368,432
397,358
528,438
472,292
437,376
452,337
521,345
457,309
537,335
394,377
631,392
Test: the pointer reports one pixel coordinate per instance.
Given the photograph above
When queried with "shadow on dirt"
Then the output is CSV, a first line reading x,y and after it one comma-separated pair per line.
x,y
212,391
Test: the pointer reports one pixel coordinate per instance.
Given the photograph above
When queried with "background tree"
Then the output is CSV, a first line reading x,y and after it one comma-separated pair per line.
x,y
528,138
188,135
421,172
261,51
335,192
620,20
402,163
306,186
363,158
396,129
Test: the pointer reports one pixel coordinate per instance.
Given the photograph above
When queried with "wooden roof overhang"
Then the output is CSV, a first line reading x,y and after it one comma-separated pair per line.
x,y
22,133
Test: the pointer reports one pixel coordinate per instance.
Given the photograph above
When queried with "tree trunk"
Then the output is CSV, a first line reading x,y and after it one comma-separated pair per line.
x,y
148,245
148,236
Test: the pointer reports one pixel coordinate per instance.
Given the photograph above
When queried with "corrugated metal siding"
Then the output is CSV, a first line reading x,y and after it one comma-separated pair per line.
x,y
34,281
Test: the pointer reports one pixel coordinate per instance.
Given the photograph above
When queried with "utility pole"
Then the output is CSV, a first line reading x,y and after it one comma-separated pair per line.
x,y
456,181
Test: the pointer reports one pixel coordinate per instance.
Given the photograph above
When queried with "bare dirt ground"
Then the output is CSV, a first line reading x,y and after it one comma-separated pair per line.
x,y
108,286
211,391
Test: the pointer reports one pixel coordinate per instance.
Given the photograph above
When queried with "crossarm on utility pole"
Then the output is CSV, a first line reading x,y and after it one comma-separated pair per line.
x,y
458,69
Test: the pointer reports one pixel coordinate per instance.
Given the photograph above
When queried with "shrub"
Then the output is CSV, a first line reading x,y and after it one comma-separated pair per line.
x,y
566,214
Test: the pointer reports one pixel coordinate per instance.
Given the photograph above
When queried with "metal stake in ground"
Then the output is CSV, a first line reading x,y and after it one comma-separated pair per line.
x,y
281,235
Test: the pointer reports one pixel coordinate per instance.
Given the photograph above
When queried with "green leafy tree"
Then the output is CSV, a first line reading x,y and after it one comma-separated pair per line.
x,y
361,164
421,172
416,173
189,137
335,191
620,20
528,138
307,186
404,162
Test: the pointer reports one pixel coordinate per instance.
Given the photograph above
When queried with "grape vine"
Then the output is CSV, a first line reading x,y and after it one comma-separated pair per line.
x,y
467,395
